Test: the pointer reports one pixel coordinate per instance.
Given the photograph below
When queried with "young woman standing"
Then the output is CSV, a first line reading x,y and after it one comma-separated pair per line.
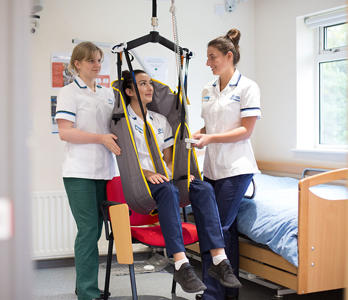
x,y
83,115
230,108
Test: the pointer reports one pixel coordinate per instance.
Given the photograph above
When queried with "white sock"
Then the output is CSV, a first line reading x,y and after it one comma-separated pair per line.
x,y
178,263
219,258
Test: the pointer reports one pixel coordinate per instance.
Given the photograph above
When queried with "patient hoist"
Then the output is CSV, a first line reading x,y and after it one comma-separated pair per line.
x,y
166,102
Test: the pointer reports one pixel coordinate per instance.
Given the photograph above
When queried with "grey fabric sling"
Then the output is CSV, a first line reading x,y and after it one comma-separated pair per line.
x,y
134,184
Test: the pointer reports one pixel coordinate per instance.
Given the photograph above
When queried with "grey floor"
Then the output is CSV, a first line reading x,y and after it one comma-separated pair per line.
x,y
55,280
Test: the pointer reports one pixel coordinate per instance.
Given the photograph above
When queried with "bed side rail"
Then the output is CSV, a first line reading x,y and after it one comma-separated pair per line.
x,y
321,236
327,177
313,171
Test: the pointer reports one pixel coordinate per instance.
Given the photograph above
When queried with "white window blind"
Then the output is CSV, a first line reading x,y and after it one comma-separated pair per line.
x,y
336,16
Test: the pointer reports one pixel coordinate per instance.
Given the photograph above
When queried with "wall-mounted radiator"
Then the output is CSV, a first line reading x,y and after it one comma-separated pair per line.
x,y
53,226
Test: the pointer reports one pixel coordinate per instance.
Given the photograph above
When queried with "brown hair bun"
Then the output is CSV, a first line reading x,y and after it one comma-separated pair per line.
x,y
234,35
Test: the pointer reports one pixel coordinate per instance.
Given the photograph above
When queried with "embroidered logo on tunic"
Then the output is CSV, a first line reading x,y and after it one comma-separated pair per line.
x,y
206,98
235,98
111,101
138,129
160,130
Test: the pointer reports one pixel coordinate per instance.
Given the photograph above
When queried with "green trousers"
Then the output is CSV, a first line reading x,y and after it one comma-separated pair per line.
x,y
85,197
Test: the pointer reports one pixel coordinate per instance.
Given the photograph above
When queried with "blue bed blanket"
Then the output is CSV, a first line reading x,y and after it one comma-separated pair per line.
x,y
270,218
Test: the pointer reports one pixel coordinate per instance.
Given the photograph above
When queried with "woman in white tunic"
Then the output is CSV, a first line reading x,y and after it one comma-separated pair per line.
x,y
84,111
230,108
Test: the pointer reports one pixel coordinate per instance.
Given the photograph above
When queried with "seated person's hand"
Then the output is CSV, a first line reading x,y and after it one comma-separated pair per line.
x,y
155,178
192,178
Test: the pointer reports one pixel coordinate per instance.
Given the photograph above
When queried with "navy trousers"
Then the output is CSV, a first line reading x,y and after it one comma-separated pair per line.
x,y
205,211
229,193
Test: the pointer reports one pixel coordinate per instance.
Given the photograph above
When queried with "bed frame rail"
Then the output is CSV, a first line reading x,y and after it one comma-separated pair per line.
x,y
321,237
267,264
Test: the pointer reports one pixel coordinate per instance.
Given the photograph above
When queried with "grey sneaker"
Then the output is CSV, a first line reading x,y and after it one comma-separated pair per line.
x,y
224,274
188,279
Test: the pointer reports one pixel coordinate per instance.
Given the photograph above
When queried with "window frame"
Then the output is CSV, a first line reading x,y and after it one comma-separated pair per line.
x,y
324,56
307,45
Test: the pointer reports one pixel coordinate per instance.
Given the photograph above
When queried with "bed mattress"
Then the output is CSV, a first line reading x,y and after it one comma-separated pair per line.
x,y
270,218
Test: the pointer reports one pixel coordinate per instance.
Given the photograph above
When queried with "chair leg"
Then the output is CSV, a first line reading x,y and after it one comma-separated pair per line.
x,y
173,287
133,284
165,253
108,269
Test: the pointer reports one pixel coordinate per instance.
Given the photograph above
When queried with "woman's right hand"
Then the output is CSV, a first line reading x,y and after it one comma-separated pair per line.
x,y
109,141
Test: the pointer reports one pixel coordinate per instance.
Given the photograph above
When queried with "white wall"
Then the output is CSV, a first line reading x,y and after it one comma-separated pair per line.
x,y
268,55
116,21
275,33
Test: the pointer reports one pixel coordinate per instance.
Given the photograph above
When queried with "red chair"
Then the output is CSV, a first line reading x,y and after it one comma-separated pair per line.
x,y
150,235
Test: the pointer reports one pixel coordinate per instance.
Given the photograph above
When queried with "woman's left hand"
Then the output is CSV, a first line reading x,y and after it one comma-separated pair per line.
x,y
109,141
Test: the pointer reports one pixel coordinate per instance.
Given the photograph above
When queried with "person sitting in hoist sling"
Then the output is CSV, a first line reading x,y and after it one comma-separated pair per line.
x,y
166,194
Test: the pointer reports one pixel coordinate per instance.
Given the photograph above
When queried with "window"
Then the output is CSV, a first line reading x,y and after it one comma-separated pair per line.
x,y
332,77
322,81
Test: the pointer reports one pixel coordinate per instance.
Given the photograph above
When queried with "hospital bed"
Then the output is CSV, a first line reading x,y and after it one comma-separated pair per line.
x,y
292,235
308,230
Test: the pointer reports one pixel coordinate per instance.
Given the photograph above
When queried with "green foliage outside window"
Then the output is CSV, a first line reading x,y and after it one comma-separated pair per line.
x,y
336,36
333,108
333,103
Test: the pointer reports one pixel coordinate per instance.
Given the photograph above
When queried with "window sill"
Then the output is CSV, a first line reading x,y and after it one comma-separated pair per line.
x,y
323,151
335,155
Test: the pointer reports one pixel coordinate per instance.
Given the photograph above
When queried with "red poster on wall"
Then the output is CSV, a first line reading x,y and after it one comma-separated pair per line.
x,y
104,80
57,74
60,73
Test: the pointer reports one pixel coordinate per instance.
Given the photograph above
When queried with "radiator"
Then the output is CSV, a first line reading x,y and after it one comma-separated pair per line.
x,y
54,228
53,225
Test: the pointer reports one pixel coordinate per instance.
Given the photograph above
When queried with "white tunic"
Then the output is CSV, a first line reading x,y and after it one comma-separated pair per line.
x,y
91,112
163,132
222,111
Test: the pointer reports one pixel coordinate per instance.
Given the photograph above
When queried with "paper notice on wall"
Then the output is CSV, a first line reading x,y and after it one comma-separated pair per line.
x,y
103,78
157,67
53,114
5,219
60,73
